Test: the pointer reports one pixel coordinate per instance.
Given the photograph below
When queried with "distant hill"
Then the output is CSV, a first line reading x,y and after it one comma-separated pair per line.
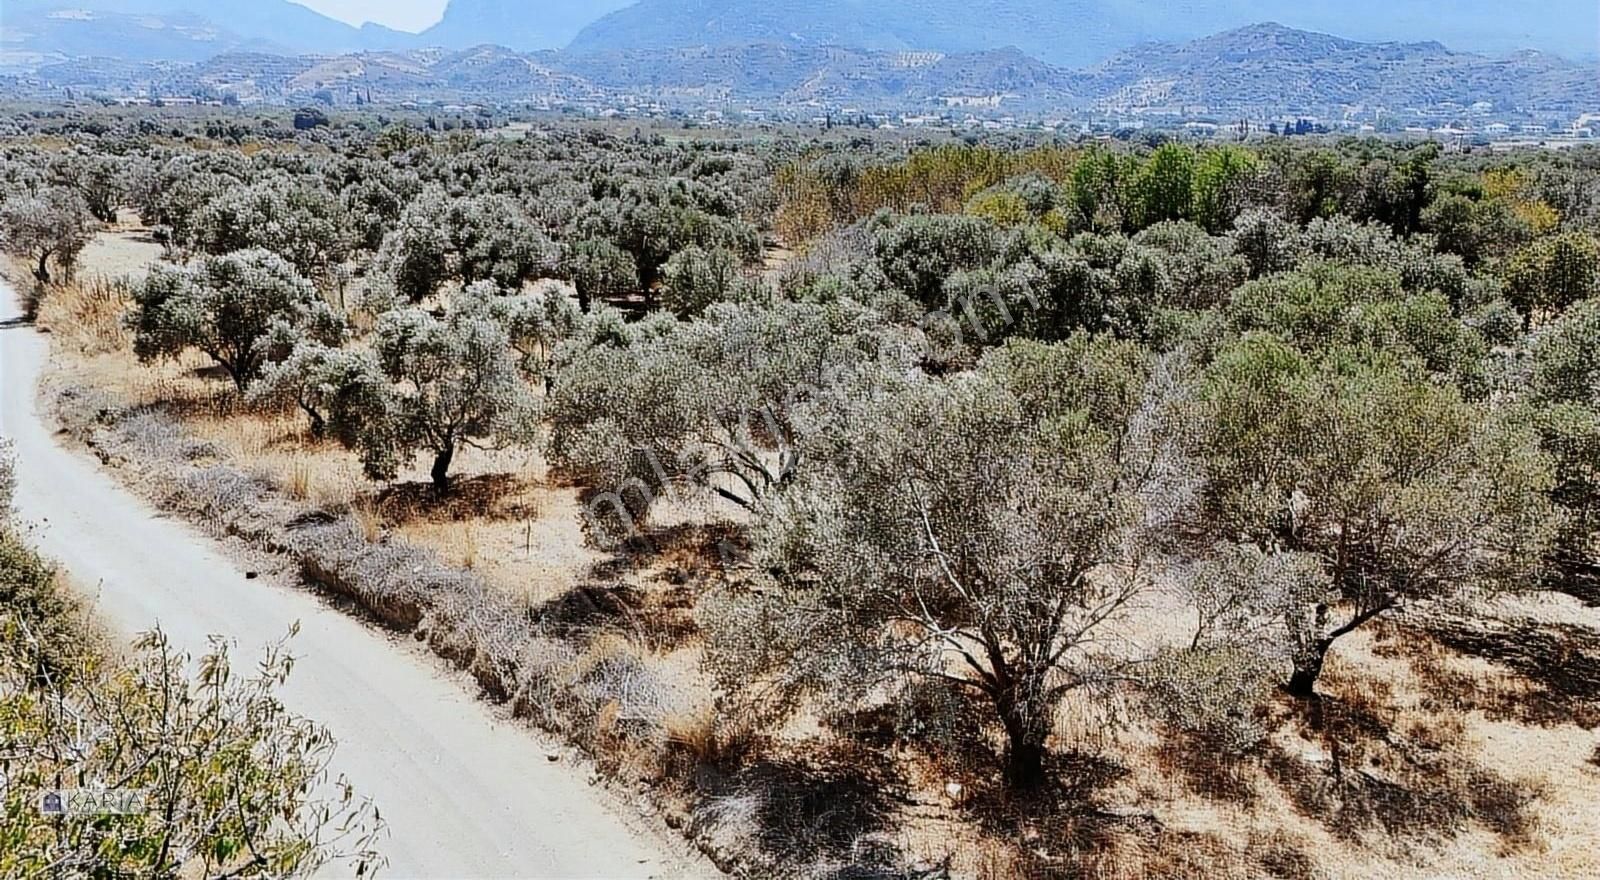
x,y
794,74
1063,32
1270,64
1262,67
177,30
32,37
1078,32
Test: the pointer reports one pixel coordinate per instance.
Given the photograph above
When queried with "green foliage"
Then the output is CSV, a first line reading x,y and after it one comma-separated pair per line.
x,y
714,405
451,382
226,306
334,387
1553,274
1405,490
917,253
535,323
1214,695
1164,188
1323,307
233,783
302,223
971,517
484,238
653,220
1222,181
695,278
53,226
1565,388
599,269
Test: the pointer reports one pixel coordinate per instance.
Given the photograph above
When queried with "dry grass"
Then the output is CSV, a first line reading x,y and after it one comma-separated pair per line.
x,y
365,512
1427,757
298,481
694,733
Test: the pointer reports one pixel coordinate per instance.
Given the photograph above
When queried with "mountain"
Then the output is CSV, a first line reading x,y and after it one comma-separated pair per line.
x,y
1077,32
505,23
780,74
179,30
1258,69
31,37
1270,64
1063,32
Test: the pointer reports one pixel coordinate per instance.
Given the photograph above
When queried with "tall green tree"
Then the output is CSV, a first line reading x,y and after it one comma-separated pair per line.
x,y
975,532
1404,491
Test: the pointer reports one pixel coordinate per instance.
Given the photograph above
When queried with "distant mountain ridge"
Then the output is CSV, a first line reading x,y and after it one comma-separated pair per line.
x,y
1259,67
1079,32
1270,63
1063,32
179,30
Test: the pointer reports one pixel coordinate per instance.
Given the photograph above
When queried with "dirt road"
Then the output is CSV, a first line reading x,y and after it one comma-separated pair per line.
x,y
464,794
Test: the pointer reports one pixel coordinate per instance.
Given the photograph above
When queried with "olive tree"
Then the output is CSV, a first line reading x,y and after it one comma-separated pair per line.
x,y
536,323
53,226
340,390
695,278
415,254
176,192
652,219
226,306
485,238
101,179
714,405
1553,274
1403,491
299,221
599,269
977,531
918,253
1564,387
493,240
1268,242
450,382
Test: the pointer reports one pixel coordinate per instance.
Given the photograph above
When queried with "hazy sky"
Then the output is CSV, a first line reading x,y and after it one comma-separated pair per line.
x,y
406,15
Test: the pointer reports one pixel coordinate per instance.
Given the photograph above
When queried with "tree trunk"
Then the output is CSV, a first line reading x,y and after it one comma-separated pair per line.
x,y
1025,763
319,425
43,272
441,469
1025,749
1307,669
583,296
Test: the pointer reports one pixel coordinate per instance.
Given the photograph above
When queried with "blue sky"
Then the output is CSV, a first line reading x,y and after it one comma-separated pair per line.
x,y
407,15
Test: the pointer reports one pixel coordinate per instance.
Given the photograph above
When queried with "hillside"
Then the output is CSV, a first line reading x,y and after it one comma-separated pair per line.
x,y
33,37
1062,32
181,30
792,74
1259,68
1079,32
1271,64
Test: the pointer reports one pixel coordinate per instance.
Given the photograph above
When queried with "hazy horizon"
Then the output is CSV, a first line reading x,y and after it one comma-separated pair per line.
x,y
413,16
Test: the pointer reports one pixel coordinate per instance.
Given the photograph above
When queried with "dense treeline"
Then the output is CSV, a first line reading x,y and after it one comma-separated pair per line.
x,y
997,396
